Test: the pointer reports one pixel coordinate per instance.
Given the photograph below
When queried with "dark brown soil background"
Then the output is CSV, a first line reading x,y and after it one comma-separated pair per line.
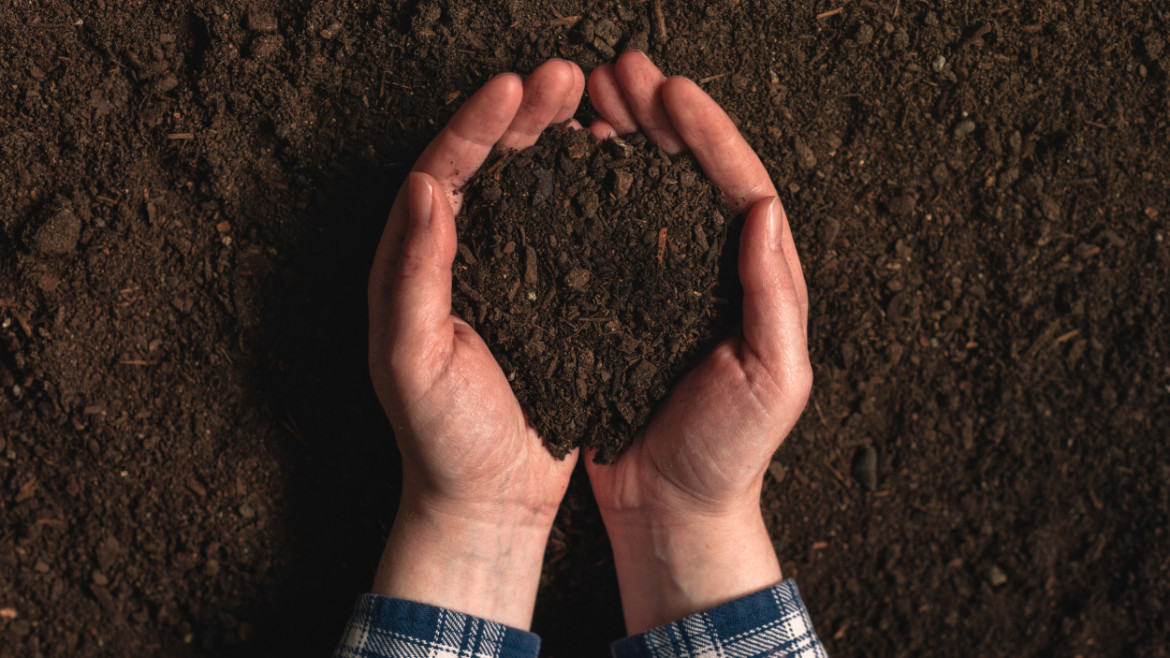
x,y
594,275
191,458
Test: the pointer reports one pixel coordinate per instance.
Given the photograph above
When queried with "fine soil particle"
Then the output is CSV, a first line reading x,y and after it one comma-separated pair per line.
x,y
593,273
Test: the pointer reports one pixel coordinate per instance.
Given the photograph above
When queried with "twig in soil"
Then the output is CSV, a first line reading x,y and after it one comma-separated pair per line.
x,y
820,414
20,319
836,474
659,21
661,244
136,362
712,78
827,14
564,20
181,136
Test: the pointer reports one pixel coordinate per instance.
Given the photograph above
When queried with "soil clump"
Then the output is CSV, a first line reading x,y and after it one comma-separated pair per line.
x,y
596,273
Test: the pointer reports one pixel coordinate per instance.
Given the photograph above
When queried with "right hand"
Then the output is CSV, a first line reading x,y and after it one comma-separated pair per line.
x,y
682,504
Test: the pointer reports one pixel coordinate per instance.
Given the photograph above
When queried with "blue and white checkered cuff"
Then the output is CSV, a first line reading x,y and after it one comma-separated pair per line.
x,y
384,627
771,622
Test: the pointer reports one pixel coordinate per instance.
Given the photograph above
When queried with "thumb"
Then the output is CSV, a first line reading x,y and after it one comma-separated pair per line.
x,y
772,321
420,306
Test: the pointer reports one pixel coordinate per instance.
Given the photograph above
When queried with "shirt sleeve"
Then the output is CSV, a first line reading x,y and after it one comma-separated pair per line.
x,y
384,627
771,622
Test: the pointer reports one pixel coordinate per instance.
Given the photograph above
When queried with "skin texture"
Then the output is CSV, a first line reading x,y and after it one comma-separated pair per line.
x,y
479,489
480,492
682,505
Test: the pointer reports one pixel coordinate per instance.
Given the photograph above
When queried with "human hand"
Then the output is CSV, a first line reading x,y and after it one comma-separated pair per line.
x,y
682,504
480,490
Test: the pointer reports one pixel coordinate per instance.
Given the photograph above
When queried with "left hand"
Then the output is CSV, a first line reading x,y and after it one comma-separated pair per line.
x,y
480,490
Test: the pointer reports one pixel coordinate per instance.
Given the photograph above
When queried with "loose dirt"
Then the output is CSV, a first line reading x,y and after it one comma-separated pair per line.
x,y
192,460
593,273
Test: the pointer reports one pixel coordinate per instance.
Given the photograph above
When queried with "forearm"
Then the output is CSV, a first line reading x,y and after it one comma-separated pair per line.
x,y
478,566
670,568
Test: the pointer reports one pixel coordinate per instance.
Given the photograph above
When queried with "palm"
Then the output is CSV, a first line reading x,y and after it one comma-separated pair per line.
x,y
696,447
463,436
481,443
708,444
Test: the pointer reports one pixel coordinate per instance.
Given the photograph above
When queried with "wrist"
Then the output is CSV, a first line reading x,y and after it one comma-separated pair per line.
x,y
671,566
481,562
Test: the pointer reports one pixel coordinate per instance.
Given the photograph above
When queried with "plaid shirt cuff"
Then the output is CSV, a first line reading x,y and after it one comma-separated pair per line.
x,y
383,627
771,622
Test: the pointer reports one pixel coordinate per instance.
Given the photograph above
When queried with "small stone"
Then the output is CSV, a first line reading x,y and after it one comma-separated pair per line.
x,y
804,155
604,49
996,576
58,234
165,83
964,128
940,174
544,187
577,278
865,467
864,34
261,21
41,567
266,46
247,512
622,180
777,471
332,30
607,31
938,64
48,282
901,39
100,578
903,206
107,553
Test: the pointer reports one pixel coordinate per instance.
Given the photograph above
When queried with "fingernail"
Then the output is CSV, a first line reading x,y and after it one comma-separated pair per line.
x,y
772,220
422,206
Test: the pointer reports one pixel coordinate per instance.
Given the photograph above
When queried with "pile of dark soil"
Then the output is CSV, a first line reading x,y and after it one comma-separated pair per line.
x,y
593,273
192,460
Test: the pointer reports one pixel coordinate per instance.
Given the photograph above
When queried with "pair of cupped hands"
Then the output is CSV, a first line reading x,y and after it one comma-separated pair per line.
x,y
480,491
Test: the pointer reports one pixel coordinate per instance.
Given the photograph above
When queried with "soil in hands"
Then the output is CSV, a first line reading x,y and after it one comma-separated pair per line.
x,y
596,273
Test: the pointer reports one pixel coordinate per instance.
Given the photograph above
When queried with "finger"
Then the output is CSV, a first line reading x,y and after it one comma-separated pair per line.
x,y
773,326
451,158
545,92
602,129
727,159
641,85
573,98
607,99
454,156
725,156
420,305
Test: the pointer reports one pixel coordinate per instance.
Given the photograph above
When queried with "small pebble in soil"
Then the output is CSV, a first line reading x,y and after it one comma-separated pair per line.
x,y
964,128
261,21
865,467
57,232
